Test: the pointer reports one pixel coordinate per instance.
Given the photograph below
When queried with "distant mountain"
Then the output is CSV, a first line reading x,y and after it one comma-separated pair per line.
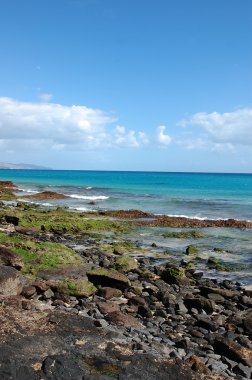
x,y
8,165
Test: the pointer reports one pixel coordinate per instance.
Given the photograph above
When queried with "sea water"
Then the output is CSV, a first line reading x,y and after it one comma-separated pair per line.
x,y
196,195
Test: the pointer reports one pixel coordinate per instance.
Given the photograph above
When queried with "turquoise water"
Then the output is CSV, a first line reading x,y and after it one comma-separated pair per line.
x,y
199,195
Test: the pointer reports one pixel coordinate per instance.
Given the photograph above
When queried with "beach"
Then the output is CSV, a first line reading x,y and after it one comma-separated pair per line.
x,y
150,292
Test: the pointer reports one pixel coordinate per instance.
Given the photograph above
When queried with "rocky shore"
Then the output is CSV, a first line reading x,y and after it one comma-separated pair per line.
x,y
75,306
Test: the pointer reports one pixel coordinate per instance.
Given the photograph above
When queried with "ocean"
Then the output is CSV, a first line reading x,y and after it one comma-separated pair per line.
x,y
195,195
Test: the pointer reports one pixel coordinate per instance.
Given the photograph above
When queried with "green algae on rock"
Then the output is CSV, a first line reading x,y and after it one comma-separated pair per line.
x,y
78,288
39,255
191,234
174,275
192,250
125,263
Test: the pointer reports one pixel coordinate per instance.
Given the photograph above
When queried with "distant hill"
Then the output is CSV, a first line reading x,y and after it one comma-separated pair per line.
x,y
8,165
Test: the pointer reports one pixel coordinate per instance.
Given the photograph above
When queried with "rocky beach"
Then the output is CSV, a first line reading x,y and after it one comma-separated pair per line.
x,y
80,300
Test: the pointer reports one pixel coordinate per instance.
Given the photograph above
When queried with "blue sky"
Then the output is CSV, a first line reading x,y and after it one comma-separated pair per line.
x,y
127,84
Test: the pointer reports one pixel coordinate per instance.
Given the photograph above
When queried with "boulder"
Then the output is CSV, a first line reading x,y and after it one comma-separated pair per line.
x,y
108,277
11,282
10,258
200,303
78,288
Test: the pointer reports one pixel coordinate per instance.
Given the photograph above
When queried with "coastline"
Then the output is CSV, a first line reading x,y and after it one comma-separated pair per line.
x,y
78,291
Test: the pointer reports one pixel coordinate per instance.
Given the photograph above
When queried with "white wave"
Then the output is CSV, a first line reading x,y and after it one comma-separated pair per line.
x,y
82,209
28,190
89,188
45,204
89,197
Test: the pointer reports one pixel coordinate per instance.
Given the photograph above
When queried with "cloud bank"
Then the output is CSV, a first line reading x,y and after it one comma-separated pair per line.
x,y
229,128
55,126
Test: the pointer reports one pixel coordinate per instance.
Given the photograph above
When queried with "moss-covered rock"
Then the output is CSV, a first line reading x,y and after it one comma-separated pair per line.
x,y
125,263
38,256
216,263
174,275
77,288
192,250
108,277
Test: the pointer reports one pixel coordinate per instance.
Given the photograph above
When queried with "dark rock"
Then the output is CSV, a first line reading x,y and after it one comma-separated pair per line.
x,y
233,351
200,303
12,219
243,370
205,322
247,322
110,278
144,311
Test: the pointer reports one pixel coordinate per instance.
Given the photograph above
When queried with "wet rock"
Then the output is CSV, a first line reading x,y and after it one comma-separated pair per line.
x,y
233,351
111,278
11,282
46,195
192,250
10,258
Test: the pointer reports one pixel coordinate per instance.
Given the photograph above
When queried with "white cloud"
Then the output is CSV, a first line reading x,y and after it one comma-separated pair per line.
x,y
234,128
59,127
163,138
45,97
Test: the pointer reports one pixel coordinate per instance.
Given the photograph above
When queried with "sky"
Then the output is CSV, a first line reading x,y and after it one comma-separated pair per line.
x,y
155,85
